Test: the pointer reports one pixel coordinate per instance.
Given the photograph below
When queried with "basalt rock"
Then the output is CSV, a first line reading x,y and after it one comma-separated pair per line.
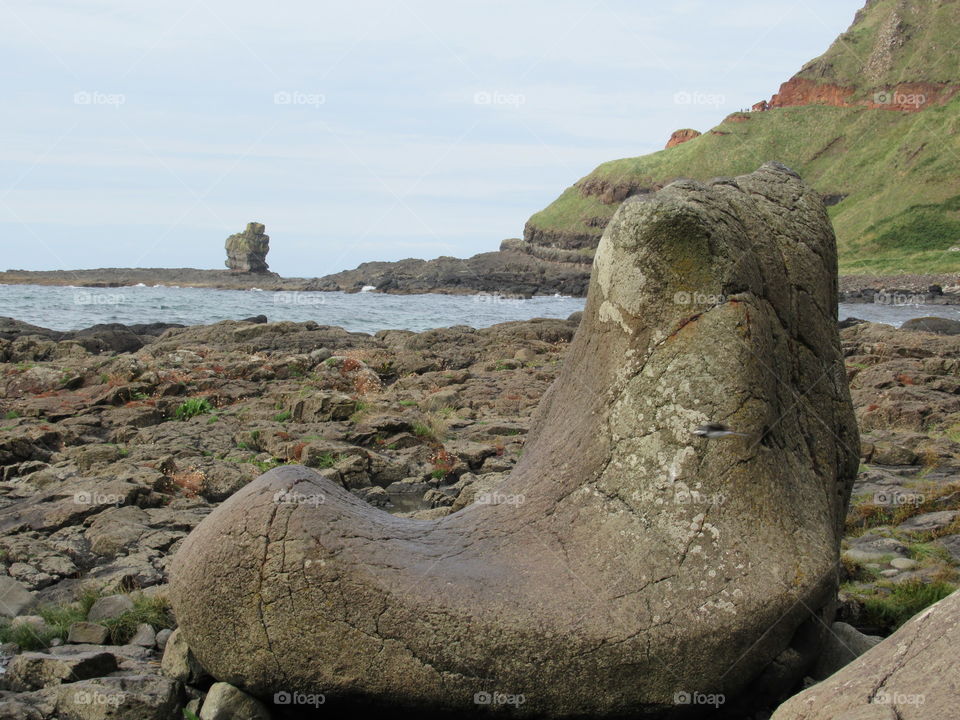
x,y
247,251
909,676
624,565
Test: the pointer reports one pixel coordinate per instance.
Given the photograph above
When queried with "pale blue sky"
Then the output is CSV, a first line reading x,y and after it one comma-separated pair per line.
x,y
140,134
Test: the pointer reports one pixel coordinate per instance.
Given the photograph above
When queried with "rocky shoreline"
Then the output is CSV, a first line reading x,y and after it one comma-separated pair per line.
x,y
509,272
109,458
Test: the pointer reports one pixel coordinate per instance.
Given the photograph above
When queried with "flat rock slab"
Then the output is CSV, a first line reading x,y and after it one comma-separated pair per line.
x,y
34,670
912,675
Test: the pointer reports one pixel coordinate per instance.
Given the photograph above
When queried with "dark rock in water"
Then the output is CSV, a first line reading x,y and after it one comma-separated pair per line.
x,y
849,322
624,565
255,320
938,325
909,676
247,251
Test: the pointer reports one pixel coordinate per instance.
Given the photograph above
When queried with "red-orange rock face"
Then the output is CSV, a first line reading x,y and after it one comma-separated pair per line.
x,y
682,136
908,97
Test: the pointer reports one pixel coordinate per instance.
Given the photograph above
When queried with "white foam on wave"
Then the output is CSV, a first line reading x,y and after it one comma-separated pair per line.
x,y
368,288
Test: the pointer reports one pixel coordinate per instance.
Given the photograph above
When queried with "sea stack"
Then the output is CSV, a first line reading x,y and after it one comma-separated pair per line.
x,y
247,250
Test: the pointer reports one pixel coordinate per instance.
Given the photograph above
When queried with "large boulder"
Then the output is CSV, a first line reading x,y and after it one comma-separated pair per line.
x,y
912,675
247,251
627,566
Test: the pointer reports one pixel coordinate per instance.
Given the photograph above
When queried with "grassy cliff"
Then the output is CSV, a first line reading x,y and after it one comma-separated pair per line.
x,y
891,177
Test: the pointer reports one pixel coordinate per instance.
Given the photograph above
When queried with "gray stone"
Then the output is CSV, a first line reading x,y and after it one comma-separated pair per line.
x,y
137,697
445,398
145,636
247,250
14,597
951,543
88,632
598,594
908,676
904,563
179,662
844,645
225,702
35,670
110,607
163,637
928,521
938,325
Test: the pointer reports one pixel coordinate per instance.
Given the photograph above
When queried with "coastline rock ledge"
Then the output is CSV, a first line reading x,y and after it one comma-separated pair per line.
x,y
631,568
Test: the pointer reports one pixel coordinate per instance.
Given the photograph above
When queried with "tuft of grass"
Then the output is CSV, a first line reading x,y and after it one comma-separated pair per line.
x,y
152,610
904,600
59,617
283,417
11,415
192,408
327,460
408,403
423,431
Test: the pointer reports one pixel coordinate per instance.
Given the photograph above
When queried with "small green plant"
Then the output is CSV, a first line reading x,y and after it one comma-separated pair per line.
x,y
408,403
192,408
283,417
189,715
152,610
12,415
213,418
326,460
421,430
904,601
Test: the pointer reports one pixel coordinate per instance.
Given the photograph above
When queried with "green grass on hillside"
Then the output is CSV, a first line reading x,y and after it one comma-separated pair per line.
x,y
899,171
863,57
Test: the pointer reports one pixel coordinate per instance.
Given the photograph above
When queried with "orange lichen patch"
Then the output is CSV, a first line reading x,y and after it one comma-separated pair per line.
x,y
905,380
296,451
190,481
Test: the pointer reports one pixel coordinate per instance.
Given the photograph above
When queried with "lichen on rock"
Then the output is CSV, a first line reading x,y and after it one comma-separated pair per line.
x,y
643,564
247,250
